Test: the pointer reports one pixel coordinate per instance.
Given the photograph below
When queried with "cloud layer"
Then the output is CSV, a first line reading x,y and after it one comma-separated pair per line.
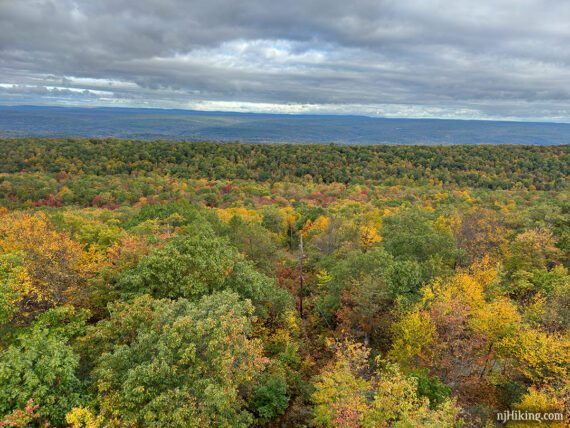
x,y
506,59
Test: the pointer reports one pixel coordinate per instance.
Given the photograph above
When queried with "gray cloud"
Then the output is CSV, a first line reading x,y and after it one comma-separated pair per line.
x,y
505,59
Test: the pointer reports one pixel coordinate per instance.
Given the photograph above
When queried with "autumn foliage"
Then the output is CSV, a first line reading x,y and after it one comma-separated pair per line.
x,y
149,284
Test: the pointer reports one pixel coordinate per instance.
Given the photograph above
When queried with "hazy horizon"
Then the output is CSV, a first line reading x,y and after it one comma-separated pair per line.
x,y
286,114
184,125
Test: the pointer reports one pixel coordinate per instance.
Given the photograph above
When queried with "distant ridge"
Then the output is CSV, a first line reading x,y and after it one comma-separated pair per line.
x,y
153,124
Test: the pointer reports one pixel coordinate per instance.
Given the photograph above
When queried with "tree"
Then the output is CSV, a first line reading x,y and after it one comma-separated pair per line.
x,y
545,400
55,267
411,235
414,336
320,224
188,266
340,389
40,367
14,283
24,418
83,417
397,403
479,233
194,265
176,363
252,240
368,236
349,393
536,356
365,309
270,398
533,249
455,331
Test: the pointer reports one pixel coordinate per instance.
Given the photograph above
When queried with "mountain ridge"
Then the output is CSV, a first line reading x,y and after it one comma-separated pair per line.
x,y
193,125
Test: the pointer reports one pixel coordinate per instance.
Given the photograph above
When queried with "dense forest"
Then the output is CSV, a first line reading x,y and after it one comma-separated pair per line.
x,y
494,167
171,284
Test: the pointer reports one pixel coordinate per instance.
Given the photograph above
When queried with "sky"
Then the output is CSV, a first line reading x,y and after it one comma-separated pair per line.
x,y
475,59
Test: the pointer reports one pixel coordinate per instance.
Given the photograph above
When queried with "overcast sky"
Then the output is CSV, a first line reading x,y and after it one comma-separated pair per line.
x,y
500,59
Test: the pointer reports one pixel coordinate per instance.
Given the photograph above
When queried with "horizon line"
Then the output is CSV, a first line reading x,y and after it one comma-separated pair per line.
x,y
180,109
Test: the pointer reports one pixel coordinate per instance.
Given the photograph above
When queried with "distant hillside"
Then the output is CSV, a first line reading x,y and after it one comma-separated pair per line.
x,y
152,124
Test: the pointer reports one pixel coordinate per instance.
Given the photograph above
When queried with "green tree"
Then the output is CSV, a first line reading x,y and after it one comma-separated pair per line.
x,y
176,363
41,367
411,235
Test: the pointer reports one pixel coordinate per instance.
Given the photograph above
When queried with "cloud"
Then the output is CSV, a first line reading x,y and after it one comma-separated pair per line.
x,y
506,59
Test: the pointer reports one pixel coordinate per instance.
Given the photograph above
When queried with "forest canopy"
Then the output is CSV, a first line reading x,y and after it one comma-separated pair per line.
x,y
160,284
494,167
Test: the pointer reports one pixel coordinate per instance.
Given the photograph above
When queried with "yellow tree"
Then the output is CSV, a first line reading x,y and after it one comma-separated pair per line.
x,y
339,396
414,336
537,356
315,227
495,320
533,249
55,268
349,393
545,400
454,331
291,216
367,236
